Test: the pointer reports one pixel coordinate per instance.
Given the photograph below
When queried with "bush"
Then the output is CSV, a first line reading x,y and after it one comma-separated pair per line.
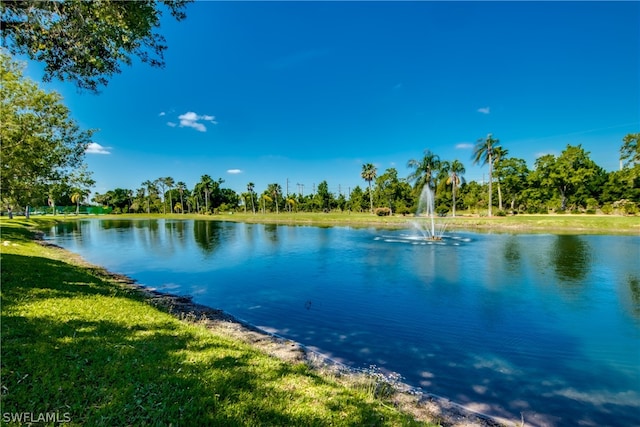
x,y
442,211
382,211
501,213
401,209
591,212
607,209
630,208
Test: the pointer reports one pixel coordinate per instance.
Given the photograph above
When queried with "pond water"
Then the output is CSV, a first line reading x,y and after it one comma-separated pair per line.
x,y
539,324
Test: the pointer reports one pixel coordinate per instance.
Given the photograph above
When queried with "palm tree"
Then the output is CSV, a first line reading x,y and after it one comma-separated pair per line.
x,y
484,152
76,198
150,186
169,182
456,170
369,173
499,153
275,190
425,169
181,187
161,184
205,184
250,187
265,198
291,202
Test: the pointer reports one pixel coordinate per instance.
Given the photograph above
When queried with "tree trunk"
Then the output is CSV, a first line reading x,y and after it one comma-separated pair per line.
x,y
454,199
490,189
563,198
499,196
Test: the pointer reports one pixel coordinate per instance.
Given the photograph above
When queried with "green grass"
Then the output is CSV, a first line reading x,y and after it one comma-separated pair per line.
x,y
76,343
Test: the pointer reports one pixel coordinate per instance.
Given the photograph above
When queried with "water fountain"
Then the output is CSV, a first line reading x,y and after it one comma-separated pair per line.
x,y
426,208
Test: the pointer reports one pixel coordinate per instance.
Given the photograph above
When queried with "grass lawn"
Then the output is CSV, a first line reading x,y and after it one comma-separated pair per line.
x,y
78,344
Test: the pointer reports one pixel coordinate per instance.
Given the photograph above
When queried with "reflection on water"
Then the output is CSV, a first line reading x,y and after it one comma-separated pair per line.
x,y
207,235
544,325
570,258
634,288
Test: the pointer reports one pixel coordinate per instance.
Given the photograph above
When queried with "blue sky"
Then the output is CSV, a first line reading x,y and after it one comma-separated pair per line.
x,y
309,91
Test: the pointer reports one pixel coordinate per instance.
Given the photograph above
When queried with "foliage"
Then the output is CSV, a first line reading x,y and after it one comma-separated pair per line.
x,y
41,143
455,178
572,170
369,173
484,153
425,170
324,197
512,174
393,192
86,41
536,191
630,151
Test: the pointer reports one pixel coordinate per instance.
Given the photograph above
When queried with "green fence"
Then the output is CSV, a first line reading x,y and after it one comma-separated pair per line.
x,y
71,210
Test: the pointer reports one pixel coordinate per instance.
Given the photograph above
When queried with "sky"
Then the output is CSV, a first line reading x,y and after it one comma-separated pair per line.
x,y
300,92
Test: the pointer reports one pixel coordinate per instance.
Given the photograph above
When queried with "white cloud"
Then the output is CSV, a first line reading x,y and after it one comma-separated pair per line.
x,y
484,110
193,120
464,146
162,113
95,148
171,124
234,171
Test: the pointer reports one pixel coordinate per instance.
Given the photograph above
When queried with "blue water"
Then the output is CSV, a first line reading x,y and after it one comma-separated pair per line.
x,y
539,324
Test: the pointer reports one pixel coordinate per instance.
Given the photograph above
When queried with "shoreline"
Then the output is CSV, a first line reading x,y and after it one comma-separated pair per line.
x,y
421,404
524,223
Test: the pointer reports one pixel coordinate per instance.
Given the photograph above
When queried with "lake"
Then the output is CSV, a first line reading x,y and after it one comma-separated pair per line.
x,y
540,324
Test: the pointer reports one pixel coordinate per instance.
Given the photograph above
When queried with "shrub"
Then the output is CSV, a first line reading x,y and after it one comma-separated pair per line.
x,y
591,212
442,211
607,209
592,203
630,208
382,211
402,209
501,213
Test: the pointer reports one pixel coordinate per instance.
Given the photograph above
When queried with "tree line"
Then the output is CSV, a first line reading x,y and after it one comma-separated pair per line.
x,y
571,181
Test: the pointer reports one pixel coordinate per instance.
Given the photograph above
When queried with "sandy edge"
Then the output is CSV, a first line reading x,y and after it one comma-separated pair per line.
x,y
422,405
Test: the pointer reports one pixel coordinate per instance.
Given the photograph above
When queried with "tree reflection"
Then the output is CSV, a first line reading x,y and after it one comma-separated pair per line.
x,y
71,227
207,235
271,231
634,288
570,258
108,224
512,253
